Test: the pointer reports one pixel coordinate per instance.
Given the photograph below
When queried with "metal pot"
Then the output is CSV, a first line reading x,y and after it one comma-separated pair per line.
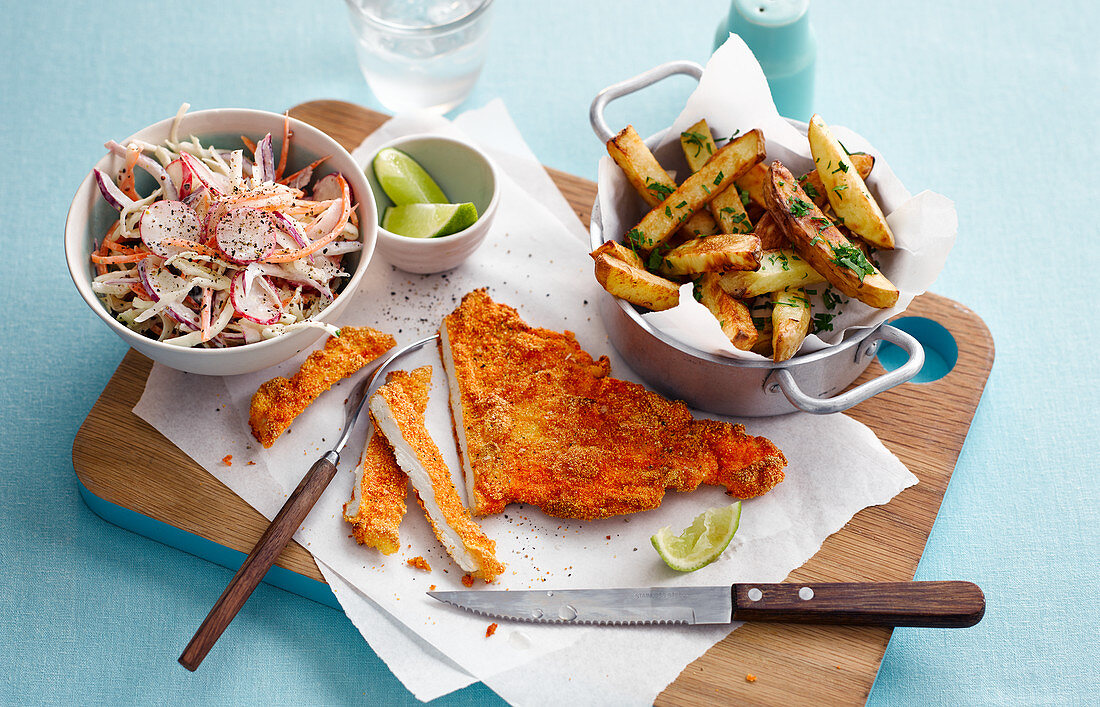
x,y
811,382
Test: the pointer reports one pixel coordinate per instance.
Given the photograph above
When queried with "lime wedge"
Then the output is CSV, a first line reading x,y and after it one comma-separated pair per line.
x,y
702,542
405,181
429,220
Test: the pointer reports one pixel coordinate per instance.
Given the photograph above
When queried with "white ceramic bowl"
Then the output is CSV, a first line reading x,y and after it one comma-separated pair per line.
x,y
90,216
466,174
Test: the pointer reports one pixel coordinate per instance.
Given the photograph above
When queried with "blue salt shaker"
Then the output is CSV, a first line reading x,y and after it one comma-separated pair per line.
x,y
779,33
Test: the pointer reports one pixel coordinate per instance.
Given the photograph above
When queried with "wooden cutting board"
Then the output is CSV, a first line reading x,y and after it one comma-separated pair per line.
x,y
924,424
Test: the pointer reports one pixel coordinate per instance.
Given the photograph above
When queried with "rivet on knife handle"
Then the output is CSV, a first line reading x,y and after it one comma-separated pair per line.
x,y
925,604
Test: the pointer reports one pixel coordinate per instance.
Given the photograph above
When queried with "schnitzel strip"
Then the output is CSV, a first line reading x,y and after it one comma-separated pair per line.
x,y
377,502
278,401
399,415
540,421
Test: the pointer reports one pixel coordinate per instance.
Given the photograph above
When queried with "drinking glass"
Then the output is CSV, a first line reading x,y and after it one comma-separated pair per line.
x,y
420,54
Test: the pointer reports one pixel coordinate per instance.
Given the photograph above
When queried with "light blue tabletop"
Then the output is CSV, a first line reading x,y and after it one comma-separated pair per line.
x,y
993,103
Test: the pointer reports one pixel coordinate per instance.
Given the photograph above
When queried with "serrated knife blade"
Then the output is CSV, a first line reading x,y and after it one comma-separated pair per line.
x,y
928,604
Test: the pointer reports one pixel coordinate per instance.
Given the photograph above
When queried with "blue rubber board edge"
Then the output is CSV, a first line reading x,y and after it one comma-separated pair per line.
x,y
201,547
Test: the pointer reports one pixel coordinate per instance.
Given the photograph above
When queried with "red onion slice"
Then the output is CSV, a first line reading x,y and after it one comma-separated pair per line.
x,y
110,191
254,303
290,227
265,161
245,235
161,282
168,219
151,166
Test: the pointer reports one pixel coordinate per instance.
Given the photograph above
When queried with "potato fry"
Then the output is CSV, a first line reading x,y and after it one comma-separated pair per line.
x,y
845,188
779,269
732,315
698,146
636,285
818,242
725,251
619,252
790,322
720,171
815,189
650,179
753,180
770,234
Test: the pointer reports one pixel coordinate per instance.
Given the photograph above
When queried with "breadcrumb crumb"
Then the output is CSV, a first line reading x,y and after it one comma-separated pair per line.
x,y
468,580
750,678
227,460
490,630
419,563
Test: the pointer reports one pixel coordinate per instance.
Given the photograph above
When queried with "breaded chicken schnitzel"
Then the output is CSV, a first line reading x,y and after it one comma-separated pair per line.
x,y
539,421
278,401
377,502
398,412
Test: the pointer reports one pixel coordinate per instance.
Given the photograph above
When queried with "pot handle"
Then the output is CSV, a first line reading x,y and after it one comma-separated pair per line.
x,y
784,380
624,88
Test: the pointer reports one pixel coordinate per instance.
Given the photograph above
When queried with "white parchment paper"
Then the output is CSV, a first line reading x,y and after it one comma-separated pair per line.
x,y
733,96
535,262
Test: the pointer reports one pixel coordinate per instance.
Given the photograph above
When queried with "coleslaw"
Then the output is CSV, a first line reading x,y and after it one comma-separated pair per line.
x,y
225,250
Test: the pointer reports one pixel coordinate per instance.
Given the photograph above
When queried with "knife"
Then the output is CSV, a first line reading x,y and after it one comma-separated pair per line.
x,y
925,604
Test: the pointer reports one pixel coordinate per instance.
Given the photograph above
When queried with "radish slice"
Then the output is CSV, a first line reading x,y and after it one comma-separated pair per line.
x,y
329,187
110,191
255,303
216,183
168,219
245,235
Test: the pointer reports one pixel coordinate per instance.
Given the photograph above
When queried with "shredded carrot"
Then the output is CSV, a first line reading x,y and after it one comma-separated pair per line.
x,y
139,290
114,259
311,166
285,256
227,460
204,317
491,629
249,144
126,176
192,246
285,147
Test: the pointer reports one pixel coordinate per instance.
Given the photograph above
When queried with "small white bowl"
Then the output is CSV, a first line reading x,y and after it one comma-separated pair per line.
x,y
466,174
89,217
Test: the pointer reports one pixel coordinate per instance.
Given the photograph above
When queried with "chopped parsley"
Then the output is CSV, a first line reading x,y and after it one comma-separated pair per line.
x,y
668,211
744,194
718,179
723,139
823,322
810,189
840,167
681,205
799,208
830,299
635,237
839,188
662,190
699,140
697,289
849,256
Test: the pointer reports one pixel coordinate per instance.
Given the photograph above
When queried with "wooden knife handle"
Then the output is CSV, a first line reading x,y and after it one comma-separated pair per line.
x,y
259,561
927,604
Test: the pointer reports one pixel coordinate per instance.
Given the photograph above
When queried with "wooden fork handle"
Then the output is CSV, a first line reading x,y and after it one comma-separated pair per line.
x,y
259,561
927,604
